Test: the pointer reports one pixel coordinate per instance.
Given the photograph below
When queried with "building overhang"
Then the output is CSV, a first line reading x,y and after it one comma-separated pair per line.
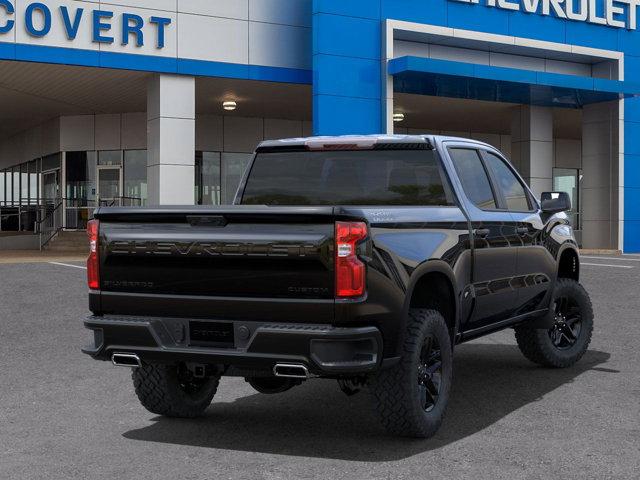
x,y
445,78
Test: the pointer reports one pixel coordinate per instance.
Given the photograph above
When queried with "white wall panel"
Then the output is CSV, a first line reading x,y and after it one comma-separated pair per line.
x,y
275,129
238,9
209,133
166,5
134,131
242,134
150,33
77,133
568,153
279,45
213,39
285,12
51,137
57,37
107,132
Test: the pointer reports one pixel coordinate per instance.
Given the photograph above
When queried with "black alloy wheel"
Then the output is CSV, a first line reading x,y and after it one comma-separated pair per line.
x,y
568,323
430,373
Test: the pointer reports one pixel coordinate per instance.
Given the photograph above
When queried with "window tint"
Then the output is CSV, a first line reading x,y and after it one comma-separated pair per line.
x,y
473,177
511,187
371,177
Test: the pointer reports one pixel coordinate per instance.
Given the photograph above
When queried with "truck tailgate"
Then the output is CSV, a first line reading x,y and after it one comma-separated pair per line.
x,y
179,254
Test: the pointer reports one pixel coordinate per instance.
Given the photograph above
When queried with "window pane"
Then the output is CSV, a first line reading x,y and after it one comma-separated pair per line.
x,y
567,180
473,177
511,187
16,186
110,157
51,162
233,167
33,181
76,177
135,177
211,178
2,180
383,177
24,183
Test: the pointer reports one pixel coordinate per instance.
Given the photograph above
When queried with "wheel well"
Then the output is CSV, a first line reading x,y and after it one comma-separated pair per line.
x,y
569,265
434,291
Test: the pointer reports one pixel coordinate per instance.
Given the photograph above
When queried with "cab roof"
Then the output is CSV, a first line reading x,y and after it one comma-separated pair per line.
x,y
356,142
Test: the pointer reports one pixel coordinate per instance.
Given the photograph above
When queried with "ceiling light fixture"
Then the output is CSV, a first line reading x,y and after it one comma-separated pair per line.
x,y
229,105
398,117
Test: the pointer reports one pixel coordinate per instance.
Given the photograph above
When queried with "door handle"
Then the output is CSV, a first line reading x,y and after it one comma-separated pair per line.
x,y
522,231
481,232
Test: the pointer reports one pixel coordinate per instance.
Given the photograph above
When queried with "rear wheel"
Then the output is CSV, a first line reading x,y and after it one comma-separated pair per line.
x,y
411,397
566,342
173,391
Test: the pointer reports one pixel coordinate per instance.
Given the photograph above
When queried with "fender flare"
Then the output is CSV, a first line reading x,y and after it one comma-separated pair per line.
x,y
431,266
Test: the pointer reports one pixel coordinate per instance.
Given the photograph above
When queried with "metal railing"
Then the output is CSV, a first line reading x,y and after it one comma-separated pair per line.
x,y
49,221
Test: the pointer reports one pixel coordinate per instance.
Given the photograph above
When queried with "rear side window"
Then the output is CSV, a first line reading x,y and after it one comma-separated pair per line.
x,y
356,177
473,177
513,191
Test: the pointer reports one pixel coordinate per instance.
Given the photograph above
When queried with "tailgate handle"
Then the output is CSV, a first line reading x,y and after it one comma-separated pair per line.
x,y
210,220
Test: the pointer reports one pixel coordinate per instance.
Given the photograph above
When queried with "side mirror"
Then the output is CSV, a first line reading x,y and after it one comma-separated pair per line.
x,y
555,202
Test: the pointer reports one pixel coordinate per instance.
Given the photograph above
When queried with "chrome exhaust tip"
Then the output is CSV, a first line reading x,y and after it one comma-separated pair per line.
x,y
290,370
130,360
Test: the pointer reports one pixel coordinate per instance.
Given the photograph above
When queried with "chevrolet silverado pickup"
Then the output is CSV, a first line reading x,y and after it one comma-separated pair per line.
x,y
364,259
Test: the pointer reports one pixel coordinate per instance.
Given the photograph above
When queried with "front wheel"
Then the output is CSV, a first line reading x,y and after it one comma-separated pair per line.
x,y
173,391
411,397
566,342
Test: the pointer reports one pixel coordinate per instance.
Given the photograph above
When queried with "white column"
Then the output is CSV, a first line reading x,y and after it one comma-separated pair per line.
x,y
532,146
171,140
599,169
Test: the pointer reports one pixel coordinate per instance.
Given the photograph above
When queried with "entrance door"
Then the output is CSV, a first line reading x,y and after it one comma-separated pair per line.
x,y
109,186
51,186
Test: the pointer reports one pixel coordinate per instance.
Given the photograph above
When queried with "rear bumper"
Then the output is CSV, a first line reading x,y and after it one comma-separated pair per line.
x,y
256,346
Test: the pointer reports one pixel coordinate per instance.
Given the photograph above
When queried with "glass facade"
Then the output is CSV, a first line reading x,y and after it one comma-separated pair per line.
x,y
135,177
568,180
39,185
218,176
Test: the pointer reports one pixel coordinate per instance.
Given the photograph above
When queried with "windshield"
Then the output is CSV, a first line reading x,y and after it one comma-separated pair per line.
x,y
355,177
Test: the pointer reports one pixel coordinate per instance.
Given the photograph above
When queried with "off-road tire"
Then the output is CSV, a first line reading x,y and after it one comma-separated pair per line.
x,y
161,391
536,344
396,390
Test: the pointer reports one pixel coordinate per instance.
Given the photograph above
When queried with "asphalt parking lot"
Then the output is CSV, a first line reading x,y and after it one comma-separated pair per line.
x,y
65,416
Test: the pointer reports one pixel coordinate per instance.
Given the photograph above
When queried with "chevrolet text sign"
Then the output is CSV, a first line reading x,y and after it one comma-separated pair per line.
x,y
614,13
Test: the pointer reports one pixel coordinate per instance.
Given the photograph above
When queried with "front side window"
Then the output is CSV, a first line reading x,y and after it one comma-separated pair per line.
x,y
513,191
357,177
473,177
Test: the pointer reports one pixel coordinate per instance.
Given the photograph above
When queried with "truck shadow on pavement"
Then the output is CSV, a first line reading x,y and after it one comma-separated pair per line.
x,y
317,420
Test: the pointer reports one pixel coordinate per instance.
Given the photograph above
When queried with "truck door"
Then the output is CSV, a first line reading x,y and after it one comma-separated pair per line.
x,y
494,239
535,265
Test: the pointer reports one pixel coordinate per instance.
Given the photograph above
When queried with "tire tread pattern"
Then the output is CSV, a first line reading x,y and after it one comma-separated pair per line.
x,y
158,390
536,345
392,388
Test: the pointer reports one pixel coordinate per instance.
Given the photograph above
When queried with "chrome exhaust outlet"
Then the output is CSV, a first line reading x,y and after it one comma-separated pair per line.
x,y
130,360
290,370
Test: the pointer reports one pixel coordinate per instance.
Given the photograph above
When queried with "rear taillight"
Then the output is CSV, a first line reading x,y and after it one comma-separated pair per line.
x,y
350,271
93,262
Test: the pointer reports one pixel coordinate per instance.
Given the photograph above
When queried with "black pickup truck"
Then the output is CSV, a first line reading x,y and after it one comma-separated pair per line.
x,y
361,259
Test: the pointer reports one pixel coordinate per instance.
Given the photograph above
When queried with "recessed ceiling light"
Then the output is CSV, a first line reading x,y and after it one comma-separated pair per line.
x,y
398,117
229,105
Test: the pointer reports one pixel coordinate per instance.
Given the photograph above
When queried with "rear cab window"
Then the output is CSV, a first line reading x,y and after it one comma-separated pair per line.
x,y
353,177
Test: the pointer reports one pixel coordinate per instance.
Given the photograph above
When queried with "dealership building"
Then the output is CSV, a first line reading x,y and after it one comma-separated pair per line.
x,y
155,102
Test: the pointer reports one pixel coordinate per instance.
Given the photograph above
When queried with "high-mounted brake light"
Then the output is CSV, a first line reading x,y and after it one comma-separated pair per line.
x,y
93,262
350,271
